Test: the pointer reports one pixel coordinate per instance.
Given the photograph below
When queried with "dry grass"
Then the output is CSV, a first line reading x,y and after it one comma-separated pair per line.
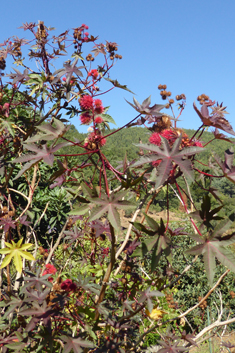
x,y
216,345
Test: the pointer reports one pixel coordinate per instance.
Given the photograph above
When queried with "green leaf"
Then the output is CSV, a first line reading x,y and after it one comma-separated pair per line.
x,y
117,84
108,118
79,211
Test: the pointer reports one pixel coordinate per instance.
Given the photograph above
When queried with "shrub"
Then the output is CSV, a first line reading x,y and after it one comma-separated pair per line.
x,y
71,280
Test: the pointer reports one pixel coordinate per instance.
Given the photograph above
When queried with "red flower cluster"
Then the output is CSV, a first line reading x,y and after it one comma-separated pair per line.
x,y
170,135
98,120
105,251
50,269
93,106
68,285
155,139
197,143
93,73
98,106
86,102
85,118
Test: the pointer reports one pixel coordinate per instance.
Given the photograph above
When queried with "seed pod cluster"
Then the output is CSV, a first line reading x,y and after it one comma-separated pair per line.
x,y
43,252
127,266
77,35
203,98
163,123
171,303
2,63
16,49
111,48
180,96
89,57
41,32
117,56
203,305
232,293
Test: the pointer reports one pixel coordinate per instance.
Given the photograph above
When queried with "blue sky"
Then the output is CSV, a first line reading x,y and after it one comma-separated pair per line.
x,y
188,45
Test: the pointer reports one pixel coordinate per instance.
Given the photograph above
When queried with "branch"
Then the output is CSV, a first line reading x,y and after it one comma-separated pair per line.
x,y
109,270
186,313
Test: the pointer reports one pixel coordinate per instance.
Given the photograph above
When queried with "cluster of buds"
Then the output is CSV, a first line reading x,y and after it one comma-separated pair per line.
x,y
80,36
203,98
111,48
94,74
89,57
203,305
94,141
2,63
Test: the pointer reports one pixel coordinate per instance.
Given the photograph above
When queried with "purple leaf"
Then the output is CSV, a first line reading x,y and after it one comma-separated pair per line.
x,y
144,108
110,205
168,156
75,344
213,246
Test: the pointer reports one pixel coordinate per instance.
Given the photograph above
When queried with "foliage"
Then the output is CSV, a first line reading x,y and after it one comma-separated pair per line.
x,y
92,285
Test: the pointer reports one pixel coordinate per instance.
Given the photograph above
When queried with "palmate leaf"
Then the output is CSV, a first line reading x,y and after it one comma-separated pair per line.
x,y
68,70
168,156
38,313
49,132
110,205
216,119
75,344
227,166
15,251
36,281
45,153
213,246
158,241
147,295
144,108
206,215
